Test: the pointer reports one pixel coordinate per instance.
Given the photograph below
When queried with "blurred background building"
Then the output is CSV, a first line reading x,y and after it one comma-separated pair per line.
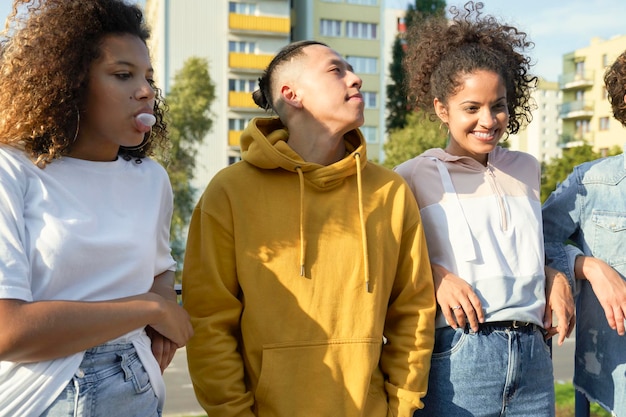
x,y
541,137
239,38
586,112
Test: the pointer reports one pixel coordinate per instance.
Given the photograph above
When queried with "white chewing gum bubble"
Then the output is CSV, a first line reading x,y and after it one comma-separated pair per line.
x,y
146,119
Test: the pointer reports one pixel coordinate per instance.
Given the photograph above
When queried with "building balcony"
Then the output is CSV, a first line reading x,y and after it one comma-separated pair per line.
x,y
259,24
239,99
577,110
576,80
576,139
233,137
250,62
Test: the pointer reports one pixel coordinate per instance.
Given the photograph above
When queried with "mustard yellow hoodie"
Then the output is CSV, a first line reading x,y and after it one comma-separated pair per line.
x,y
295,273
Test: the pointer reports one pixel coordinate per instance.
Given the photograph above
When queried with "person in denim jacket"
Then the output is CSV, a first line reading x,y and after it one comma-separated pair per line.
x,y
589,210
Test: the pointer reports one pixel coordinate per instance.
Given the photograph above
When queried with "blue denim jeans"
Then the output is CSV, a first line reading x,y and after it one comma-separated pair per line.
x,y
111,381
494,372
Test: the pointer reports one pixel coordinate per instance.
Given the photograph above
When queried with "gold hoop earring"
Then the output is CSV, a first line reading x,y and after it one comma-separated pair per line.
x,y
447,128
77,126
146,137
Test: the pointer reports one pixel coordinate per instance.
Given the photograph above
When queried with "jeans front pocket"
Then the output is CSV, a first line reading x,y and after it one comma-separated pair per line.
x,y
135,372
448,341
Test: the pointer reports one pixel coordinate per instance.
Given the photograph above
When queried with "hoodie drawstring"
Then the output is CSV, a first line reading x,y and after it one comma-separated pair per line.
x,y
366,266
301,177
458,220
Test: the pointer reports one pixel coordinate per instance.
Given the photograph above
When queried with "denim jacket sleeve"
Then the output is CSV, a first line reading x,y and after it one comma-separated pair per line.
x,y
561,223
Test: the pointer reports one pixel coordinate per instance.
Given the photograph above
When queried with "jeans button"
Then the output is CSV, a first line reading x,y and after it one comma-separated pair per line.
x,y
80,373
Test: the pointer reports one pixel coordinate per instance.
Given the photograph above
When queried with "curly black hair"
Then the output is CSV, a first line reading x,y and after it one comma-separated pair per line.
x,y
46,51
440,52
615,82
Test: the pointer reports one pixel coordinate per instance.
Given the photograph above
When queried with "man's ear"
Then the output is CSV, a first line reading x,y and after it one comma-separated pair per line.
x,y
290,96
441,110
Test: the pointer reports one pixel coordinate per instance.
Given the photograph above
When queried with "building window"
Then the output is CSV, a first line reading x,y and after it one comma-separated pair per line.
x,y
363,65
330,27
361,30
580,68
604,123
580,95
369,98
242,47
582,126
244,86
233,159
364,2
242,8
605,60
237,124
370,133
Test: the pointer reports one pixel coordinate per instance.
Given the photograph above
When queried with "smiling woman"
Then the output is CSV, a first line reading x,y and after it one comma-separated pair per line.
x,y
482,220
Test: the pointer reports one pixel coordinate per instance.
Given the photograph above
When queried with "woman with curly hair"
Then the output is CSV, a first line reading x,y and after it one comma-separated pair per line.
x,y
584,235
481,212
89,316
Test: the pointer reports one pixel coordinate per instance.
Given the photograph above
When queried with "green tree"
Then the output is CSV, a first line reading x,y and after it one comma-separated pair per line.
x,y
555,171
418,135
397,104
189,121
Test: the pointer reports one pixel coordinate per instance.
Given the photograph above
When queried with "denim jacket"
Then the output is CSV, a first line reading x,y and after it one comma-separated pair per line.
x,y
589,210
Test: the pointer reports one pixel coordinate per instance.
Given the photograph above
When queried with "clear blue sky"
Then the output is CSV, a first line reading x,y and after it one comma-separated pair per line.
x,y
557,27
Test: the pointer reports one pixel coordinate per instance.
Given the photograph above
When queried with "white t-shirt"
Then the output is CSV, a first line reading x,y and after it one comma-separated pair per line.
x,y
78,230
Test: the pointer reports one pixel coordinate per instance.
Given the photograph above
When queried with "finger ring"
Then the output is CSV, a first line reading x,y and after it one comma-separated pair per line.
x,y
456,307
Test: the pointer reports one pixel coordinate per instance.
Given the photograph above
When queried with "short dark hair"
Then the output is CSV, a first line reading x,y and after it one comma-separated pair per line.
x,y
263,95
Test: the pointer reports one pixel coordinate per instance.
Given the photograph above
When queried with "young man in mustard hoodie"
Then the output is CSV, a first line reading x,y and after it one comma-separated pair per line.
x,y
306,273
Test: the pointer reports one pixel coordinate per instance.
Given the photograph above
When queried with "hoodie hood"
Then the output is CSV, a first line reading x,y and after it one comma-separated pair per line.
x,y
465,161
264,145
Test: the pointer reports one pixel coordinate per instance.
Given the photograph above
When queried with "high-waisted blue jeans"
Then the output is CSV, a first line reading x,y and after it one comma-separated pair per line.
x,y
111,381
492,373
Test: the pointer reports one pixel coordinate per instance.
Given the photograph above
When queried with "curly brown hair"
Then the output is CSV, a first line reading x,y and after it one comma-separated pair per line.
x,y
615,82
46,51
440,52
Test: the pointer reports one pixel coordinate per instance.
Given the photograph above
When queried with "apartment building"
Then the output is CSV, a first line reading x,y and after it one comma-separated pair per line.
x,y
541,137
362,31
586,112
240,37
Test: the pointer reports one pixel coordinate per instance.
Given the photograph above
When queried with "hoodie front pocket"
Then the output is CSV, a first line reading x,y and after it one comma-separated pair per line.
x,y
317,378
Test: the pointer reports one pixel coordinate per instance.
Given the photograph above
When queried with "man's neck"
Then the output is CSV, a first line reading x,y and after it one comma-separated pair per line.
x,y
317,148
